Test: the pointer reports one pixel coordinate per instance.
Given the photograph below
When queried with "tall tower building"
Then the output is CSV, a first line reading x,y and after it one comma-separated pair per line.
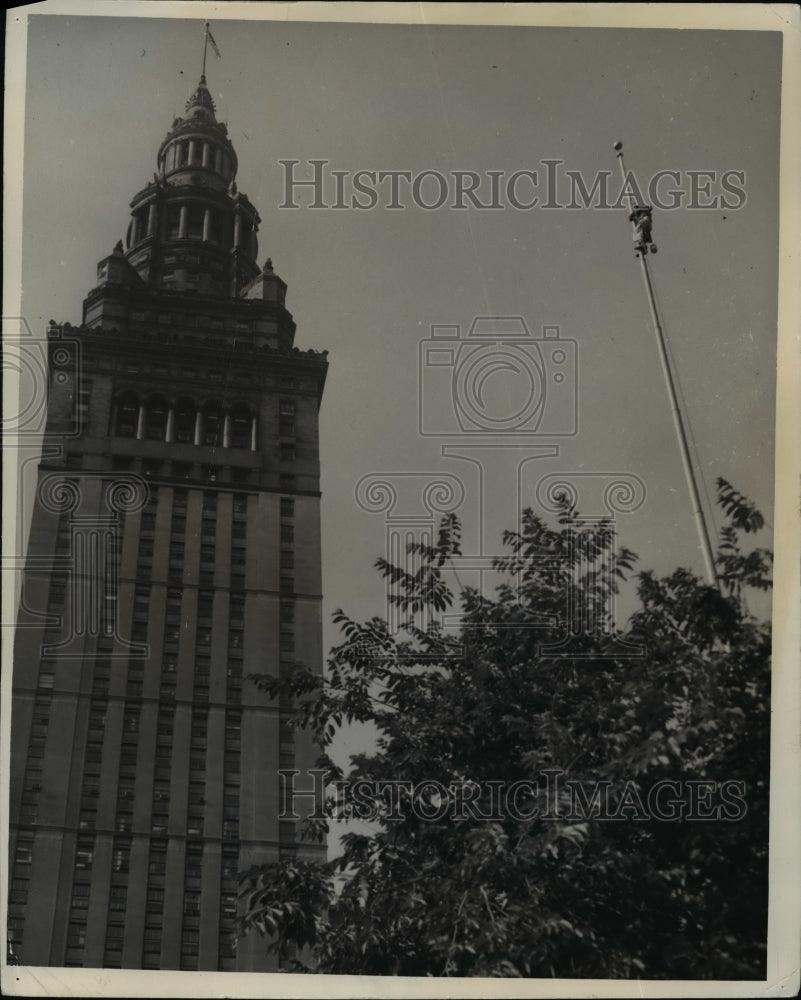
x,y
174,549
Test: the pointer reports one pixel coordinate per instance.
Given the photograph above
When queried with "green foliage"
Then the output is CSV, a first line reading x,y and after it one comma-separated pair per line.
x,y
550,889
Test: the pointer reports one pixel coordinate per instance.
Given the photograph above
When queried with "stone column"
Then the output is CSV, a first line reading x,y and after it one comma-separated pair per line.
x,y
182,224
199,428
227,430
207,225
206,151
190,159
168,437
140,426
151,219
237,228
253,433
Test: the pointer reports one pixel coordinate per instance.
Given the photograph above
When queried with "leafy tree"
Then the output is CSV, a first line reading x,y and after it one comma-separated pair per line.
x,y
586,871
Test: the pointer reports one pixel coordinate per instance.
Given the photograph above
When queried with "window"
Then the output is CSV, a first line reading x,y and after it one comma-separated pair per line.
x,y
117,902
152,934
194,228
24,851
240,427
185,422
120,857
155,900
174,212
76,935
287,453
18,893
156,420
214,227
84,854
212,424
127,416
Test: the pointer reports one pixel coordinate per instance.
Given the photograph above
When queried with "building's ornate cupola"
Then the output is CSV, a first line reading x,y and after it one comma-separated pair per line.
x,y
190,229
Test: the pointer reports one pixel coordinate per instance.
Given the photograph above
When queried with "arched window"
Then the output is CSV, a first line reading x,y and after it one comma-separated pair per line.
x,y
127,415
156,419
240,426
185,413
212,424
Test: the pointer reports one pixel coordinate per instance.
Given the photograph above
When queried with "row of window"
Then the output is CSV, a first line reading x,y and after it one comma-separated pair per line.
x,y
198,153
231,779
97,719
157,419
186,471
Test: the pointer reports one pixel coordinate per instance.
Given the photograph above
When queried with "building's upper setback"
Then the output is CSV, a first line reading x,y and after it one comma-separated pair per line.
x,y
191,229
184,301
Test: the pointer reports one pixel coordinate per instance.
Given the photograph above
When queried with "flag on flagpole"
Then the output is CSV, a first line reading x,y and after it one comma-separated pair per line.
x,y
213,44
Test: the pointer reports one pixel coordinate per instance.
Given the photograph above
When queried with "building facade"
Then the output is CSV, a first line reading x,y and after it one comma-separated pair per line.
x,y
174,549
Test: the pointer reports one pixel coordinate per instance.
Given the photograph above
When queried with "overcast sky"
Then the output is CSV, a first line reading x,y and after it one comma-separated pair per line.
x,y
368,285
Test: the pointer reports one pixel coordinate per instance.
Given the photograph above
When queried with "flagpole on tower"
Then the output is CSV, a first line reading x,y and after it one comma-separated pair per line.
x,y
640,217
208,39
